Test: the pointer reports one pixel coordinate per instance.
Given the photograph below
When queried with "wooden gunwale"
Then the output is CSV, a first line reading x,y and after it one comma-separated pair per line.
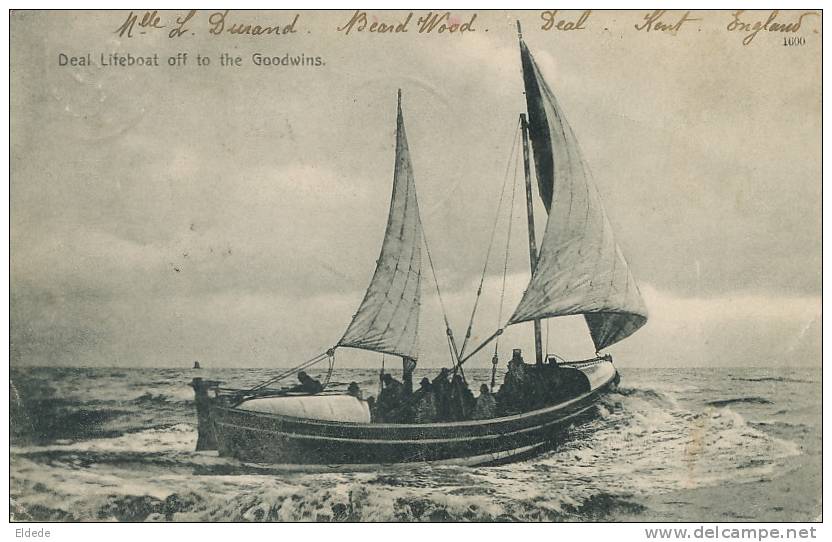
x,y
421,432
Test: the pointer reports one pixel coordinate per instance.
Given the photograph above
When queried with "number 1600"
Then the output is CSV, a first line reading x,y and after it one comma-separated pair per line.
x,y
790,42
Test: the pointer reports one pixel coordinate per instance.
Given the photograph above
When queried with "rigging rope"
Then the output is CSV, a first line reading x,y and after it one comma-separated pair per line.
x,y
512,156
287,372
508,250
331,356
381,374
451,343
496,334
450,348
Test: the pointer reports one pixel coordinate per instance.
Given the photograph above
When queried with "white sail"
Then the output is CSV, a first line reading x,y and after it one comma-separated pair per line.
x,y
388,319
580,269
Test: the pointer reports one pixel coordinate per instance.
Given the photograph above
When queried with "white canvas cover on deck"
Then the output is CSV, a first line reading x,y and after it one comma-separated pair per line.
x,y
336,408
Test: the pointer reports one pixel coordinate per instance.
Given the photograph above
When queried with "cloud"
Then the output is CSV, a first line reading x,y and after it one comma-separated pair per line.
x,y
731,330
160,215
240,328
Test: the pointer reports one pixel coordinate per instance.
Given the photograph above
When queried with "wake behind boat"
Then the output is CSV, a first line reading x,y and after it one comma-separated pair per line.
x,y
578,269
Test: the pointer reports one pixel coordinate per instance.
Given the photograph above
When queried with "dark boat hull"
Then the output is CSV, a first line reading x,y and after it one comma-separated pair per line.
x,y
269,438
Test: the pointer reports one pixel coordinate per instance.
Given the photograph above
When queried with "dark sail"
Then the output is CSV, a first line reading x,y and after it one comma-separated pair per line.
x,y
544,164
388,319
580,269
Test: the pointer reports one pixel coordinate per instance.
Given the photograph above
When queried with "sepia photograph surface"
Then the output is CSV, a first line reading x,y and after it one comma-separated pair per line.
x,y
415,265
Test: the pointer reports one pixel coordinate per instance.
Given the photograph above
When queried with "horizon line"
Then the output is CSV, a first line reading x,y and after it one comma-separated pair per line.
x,y
279,367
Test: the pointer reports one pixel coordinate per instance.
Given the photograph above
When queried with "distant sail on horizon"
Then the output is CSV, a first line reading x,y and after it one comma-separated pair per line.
x,y
580,269
387,321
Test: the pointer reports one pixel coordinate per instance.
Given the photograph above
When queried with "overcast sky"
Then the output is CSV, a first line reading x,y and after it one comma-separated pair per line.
x,y
234,215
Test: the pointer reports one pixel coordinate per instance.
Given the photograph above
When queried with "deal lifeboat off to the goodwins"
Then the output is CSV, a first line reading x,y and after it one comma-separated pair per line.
x,y
578,269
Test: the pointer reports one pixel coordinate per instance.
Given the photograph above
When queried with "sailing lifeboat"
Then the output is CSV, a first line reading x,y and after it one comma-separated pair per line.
x,y
578,270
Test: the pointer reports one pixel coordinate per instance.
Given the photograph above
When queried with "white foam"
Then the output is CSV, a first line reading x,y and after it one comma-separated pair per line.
x,y
642,442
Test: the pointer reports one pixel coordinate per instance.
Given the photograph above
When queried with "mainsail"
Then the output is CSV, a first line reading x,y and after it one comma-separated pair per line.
x,y
388,319
580,269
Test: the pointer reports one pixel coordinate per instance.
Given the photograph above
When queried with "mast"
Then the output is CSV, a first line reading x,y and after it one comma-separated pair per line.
x,y
524,128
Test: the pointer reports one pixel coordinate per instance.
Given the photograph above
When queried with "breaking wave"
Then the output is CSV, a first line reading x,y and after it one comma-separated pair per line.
x,y
641,442
738,400
773,379
161,399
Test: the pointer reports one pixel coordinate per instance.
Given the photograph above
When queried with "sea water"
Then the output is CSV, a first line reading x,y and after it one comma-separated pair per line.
x,y
102,444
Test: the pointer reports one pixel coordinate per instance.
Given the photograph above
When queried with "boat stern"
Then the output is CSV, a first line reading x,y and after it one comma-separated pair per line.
x,y
206,437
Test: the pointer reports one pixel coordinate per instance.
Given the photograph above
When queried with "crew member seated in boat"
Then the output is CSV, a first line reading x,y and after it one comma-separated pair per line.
x,y
567,383
546,383
550,375
408,366
461,399
390,400
307,384
354,390
554,383
486,405
442,392
513,396
424,403
542,383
